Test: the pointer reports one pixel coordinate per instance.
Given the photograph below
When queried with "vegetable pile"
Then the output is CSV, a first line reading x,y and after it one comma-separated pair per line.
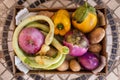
x,y
44,41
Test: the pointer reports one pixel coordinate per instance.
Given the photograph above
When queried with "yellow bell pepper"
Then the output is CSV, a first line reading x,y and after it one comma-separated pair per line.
x,y
62,22
84,18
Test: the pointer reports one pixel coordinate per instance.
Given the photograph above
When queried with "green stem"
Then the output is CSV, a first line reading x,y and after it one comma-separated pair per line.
x,y
60,26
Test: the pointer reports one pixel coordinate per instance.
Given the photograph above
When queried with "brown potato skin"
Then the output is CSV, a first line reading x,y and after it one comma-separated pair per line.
x,y
64,66
95,48
74,65
96,35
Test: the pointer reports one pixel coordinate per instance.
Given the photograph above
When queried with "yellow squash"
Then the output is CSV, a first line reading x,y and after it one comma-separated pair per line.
x,y
84,18
62,22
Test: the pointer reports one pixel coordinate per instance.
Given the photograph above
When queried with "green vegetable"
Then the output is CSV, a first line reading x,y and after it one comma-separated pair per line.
x,y
54,66
49,63
44,60
38,25
58,46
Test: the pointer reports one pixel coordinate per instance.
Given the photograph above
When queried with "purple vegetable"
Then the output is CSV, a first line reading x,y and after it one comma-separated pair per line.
x,y
89,61
76,42
31,40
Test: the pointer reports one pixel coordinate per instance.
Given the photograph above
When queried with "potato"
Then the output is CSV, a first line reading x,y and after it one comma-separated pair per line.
x,y
74,65
64,66
96,35
101,18
95,48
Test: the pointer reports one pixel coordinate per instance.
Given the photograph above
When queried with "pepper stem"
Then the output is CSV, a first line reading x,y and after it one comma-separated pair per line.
x,y
60,26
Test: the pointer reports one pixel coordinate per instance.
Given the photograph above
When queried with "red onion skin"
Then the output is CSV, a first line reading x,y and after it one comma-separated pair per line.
x,y
31,34
89,61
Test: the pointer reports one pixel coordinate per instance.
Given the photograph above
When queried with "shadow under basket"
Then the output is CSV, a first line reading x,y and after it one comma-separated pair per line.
x,y
103,43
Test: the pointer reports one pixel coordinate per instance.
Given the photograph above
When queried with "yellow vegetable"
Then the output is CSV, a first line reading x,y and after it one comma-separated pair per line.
x,y
61,21
84,18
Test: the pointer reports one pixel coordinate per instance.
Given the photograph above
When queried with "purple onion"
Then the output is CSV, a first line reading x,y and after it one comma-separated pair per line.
x,y
30,40
79,47
89,61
